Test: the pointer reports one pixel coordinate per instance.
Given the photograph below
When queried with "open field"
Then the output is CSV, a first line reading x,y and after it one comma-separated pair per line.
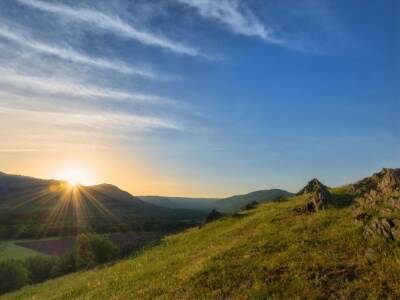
x,y
11,250
21,249
49,246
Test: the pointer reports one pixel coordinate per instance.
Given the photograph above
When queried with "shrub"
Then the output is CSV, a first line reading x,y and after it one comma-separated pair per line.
x,y
251,205
92,249
213,216
40,268
13,275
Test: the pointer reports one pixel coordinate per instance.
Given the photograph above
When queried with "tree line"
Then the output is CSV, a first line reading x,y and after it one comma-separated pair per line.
x,y
89,251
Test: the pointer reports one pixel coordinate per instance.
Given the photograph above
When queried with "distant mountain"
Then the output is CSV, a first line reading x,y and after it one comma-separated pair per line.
x,y
226,205
31,207
234,203
205,204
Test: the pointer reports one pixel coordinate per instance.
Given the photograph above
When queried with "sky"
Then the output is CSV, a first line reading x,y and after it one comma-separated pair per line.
x,y
200,97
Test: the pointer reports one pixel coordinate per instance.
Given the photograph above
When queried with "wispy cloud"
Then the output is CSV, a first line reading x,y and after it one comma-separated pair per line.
x,y
68,88
70,54
235,15
114,121
112,24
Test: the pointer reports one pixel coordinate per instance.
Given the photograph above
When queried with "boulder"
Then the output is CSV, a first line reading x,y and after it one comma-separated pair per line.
x,y
319,199
383,227
378,227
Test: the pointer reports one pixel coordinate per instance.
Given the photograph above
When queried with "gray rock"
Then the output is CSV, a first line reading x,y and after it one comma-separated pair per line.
x,y
393,203
378,227
319,199
370,255
385,182
390,181
395,230
312,186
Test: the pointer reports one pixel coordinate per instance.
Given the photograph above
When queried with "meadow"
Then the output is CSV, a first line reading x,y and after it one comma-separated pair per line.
x,y
11,250
272,251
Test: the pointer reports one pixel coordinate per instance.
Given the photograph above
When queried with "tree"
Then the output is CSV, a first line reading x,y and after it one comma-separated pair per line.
x,y
13,275
92,249
213,216
39,268
63,265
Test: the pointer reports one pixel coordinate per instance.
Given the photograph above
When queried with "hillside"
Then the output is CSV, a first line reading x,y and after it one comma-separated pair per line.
x,y
231,204
31,207
276,250
225,205
204,204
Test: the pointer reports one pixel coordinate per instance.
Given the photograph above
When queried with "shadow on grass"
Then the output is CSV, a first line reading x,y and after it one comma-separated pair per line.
x,y
342,200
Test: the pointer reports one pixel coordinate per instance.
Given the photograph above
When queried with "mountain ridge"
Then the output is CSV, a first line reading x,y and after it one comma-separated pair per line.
x,y
31,207
227,205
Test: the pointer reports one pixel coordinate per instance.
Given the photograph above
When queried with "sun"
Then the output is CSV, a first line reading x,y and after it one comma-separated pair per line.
x,y
73,182
75,175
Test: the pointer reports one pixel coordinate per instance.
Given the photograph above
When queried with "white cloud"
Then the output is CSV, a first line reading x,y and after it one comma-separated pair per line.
x,y
114,121
68,88
111,24
234,15
70,54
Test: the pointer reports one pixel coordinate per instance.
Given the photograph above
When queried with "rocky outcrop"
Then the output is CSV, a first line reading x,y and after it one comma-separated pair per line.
x,y
319,199
390,181
379,196
312,186
384,182
319,196
382,227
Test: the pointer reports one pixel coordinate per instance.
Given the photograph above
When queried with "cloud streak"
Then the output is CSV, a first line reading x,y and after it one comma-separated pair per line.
x,y
114,121
70,54
111,24
68,88
238,18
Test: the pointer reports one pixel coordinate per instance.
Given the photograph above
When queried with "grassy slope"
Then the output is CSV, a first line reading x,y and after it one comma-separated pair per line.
x,y
9,250
269,251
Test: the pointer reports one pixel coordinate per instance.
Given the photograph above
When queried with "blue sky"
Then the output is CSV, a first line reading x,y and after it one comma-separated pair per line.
x,y
200,97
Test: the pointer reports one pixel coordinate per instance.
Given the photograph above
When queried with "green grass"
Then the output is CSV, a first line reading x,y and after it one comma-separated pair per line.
x,y
268,252
9,250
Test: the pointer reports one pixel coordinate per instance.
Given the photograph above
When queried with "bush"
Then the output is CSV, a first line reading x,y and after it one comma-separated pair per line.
x,y
13,275
91,250
63,265
213,216
251,205
40,268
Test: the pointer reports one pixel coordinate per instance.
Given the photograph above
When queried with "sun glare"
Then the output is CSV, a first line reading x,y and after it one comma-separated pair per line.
x,y
75,176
